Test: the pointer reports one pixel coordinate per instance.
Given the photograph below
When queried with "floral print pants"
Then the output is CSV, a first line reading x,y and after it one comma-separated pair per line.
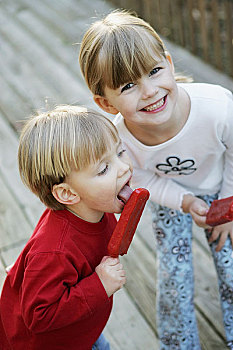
x,y
176,321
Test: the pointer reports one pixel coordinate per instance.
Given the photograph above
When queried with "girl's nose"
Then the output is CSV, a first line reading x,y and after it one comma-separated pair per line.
x,y
149,89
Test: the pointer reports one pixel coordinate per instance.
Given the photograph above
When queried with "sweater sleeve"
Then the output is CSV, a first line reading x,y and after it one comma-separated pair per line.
x,y
163,191
227,139
54,295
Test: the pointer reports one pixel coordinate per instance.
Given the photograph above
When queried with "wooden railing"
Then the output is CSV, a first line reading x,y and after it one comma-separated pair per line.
x,y
204,27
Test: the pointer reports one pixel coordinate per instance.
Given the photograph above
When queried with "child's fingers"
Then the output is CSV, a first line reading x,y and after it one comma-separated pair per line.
x,y
222,233
113,261
124,281
119,267
104,259
222,241
123,273
200,220
110,261
214,235
202,211
231,237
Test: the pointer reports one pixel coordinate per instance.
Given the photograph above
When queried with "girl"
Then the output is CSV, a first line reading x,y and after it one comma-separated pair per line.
x,y
180,137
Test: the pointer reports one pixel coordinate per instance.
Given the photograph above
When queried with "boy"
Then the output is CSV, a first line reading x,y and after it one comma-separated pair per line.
x,y
58,294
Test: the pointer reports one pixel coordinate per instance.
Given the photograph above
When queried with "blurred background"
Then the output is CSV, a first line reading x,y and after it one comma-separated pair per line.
x,y
203,27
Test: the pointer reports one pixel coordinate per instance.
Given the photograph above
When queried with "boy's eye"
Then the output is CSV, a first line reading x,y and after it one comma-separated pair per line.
x,y
127,87
102,172
154,71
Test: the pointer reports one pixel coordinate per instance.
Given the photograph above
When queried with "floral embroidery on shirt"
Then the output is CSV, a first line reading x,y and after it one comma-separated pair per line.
x,y
177,167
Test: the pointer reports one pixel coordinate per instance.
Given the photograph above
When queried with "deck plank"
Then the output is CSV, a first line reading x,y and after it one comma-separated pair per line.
x,y
2,274
10,217
8,166
138,334
63,85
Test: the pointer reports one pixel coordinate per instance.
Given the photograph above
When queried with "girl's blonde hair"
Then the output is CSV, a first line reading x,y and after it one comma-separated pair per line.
x,y
56,142
118,49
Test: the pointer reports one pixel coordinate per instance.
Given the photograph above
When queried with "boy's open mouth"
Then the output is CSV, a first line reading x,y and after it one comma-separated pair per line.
x,y
155,106
125,193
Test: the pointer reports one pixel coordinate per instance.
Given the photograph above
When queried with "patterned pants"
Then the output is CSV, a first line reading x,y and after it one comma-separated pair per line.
x,y
176,321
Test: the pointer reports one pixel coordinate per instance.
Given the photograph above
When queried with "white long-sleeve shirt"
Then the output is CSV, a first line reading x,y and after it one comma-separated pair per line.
x,y
198,160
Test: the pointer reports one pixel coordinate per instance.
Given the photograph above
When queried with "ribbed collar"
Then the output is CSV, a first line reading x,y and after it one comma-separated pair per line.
x,y
82,225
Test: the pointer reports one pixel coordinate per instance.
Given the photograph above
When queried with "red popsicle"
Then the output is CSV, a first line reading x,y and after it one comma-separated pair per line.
x,y
220,212
127,224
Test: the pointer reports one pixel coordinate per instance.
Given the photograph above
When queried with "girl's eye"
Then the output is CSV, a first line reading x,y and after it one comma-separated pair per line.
x,y
154,71
127,87
102,172
121,152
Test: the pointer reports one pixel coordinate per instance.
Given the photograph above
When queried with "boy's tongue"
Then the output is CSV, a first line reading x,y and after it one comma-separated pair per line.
x,y
125,193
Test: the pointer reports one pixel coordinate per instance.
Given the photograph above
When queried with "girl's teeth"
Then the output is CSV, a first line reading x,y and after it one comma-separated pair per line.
x,y
155,106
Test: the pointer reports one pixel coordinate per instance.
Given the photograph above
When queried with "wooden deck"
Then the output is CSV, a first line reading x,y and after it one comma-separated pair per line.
x,y
39,68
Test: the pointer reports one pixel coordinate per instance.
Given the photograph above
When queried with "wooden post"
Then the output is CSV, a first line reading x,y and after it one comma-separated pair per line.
x,y
191,26
204,42
229,32
216,35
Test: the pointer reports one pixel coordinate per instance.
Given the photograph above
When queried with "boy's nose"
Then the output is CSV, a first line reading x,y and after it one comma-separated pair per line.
x,y
124,167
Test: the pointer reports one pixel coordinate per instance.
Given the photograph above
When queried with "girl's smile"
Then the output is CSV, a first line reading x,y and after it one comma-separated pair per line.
x,y
157,106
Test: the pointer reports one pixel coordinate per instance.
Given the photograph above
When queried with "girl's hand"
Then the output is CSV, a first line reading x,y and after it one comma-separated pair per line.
x,y
222,231
197,208
111,274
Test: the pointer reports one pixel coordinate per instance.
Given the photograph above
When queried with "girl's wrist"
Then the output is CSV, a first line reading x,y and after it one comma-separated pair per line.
x,y
186,203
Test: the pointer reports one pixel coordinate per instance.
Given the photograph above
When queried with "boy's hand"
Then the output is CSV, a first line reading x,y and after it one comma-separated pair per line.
x,y
222,231
111,274
197,208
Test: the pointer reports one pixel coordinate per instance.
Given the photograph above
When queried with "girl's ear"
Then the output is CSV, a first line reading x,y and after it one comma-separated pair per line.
x,y
64,194
169,58
104,104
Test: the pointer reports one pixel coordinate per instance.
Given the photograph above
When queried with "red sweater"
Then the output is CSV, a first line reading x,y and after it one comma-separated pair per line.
x,y
52,298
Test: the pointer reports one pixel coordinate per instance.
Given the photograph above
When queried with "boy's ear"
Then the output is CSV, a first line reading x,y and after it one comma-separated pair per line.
x,y
169,58
104,104
64,194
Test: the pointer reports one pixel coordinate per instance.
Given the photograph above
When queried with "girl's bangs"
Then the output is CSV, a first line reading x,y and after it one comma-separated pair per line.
x,y
129,59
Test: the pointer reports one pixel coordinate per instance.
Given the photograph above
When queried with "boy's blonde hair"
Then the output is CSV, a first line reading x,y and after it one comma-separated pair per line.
x,y
56,142
118,49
